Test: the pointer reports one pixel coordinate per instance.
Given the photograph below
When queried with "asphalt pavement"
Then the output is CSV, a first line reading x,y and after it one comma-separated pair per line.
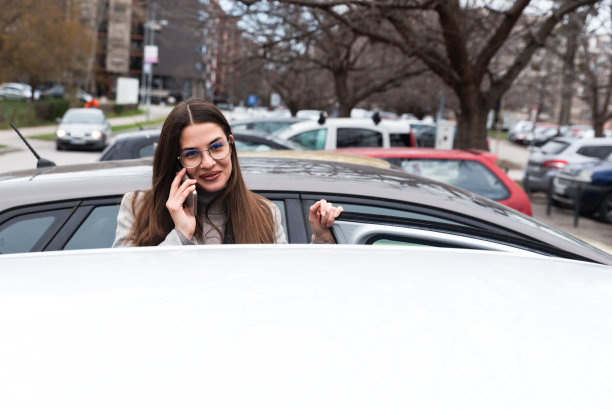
x,y
513,157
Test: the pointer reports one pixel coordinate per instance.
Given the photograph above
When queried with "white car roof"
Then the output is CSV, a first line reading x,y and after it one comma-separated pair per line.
x,y
388,125
303,326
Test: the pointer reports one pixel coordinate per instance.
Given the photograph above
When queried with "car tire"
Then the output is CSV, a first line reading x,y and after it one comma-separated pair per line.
x,y
526,187
605,209
59,147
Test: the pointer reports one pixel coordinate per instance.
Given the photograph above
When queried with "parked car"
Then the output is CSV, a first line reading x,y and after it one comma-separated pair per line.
x,y
542,134
75,207
335,133
131,145
269,125
520,128
471,170
525,133
15,91
320,155
309,326
589,186
83,128
576,131
544,162
142,143
51,90
425,135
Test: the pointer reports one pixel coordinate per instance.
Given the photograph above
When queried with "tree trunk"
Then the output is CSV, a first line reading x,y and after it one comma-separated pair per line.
x,y
598,124
470,127
472,119
574,28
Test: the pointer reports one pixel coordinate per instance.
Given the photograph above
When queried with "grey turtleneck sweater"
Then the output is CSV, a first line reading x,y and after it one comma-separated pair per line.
x,y
216,214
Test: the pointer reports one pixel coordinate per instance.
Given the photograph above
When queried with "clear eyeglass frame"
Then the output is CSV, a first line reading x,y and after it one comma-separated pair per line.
x,y
201,155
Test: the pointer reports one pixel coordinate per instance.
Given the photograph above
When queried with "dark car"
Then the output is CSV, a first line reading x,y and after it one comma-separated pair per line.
x,y
75,207
131,145
587,187
141,144
267,125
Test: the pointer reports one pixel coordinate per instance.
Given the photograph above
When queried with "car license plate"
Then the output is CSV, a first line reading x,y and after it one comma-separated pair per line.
x,y
77,141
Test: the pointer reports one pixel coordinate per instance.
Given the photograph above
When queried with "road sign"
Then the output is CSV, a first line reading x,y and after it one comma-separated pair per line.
x,y
251,100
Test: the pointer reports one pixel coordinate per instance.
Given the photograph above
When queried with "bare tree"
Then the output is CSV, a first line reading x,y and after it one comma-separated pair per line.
x,y
460,41
595,67
46,43
355,66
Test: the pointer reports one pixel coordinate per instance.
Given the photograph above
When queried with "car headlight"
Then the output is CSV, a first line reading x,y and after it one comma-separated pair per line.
x,y
586,175
96,134
60,133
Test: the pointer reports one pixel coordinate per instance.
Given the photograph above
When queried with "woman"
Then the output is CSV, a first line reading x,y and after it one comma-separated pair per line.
x,y
196,152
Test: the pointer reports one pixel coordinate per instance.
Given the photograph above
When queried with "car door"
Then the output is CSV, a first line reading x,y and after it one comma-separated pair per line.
x,y
381,222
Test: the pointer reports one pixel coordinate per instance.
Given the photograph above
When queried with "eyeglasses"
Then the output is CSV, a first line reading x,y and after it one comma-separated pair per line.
x,y
193,157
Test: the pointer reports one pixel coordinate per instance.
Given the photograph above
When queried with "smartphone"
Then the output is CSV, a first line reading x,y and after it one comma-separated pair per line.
x,y
192,200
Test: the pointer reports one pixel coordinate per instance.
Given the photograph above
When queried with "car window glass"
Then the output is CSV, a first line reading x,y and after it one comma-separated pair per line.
x,y
250,146
270,127
239,127
385,211
351,137
467,174
19,235
97,231
311,140
147,150
83,116
554,147
594,151
400,139
386,241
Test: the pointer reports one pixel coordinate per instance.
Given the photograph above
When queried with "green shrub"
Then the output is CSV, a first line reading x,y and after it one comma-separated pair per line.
x,y
50,109
57,108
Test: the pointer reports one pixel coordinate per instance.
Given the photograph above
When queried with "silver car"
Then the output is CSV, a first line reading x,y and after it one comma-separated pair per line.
x,y
15,91
544,162
82,128
75,207
308,326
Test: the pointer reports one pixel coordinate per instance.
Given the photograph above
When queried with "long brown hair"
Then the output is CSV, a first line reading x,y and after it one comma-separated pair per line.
x,y
249,217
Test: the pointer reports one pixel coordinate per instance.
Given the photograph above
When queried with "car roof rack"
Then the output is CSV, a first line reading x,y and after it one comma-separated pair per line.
x,y
376,118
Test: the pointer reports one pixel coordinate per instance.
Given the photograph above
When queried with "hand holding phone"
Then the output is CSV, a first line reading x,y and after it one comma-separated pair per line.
x,y
191,202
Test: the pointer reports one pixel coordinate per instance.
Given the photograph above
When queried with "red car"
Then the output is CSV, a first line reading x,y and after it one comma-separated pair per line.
x,y
472,170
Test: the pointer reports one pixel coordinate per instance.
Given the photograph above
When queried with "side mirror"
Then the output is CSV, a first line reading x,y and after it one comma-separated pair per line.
x,y
58,120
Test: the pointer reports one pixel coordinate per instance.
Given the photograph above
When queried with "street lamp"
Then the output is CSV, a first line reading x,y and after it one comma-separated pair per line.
x,y
150,57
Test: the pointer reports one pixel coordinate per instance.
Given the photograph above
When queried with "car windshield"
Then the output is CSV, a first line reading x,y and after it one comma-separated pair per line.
x,y
83,117
467,174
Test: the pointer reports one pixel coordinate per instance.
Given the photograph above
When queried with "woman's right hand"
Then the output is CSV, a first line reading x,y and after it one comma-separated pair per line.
x,y
184,220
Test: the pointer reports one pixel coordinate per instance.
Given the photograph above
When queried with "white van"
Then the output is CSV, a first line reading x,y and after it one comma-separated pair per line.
x,y
349,132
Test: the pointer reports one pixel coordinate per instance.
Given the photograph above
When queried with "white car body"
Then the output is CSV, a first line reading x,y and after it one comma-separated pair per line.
x,y
327,133
15,91
306,326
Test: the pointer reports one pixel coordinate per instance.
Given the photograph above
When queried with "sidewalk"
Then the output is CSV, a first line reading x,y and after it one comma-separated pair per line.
x,y
9,137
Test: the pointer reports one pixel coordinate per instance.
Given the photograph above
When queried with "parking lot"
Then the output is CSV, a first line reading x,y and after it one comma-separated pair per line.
x,y
17,156
587,229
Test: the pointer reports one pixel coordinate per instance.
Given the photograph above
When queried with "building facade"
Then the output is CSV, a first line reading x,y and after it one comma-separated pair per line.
x,y
197,43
